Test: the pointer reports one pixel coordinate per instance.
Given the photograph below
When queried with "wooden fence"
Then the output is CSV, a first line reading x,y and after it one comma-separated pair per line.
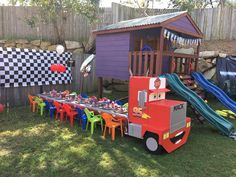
x,y
215,23
17,96
13,22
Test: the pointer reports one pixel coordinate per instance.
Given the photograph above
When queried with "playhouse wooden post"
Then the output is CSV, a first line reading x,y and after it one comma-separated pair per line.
x,y
171,70
100,87
159,53
196,62
141,44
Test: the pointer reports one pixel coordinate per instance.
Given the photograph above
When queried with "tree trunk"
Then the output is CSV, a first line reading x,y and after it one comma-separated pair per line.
x,y
90,45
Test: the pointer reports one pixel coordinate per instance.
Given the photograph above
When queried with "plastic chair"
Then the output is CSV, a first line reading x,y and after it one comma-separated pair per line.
x,y
50,107
59,110
82,117
40,105
112,124
147,48
118,102
126,105
33,103
70,112
93,119
84,95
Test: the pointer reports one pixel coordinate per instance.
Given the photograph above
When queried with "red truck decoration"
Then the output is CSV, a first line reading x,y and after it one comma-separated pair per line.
x,y
160,122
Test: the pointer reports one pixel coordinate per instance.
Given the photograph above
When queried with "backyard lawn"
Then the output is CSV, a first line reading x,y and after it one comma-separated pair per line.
x,y
31,145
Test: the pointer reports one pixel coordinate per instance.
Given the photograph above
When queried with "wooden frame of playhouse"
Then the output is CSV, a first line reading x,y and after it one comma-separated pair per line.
x,y
119,47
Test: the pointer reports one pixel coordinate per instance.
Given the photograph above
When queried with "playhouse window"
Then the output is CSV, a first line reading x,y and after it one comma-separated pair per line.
x,y
149,41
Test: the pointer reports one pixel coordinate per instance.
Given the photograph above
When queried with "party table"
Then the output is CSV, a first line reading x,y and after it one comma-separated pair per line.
x,y
84,105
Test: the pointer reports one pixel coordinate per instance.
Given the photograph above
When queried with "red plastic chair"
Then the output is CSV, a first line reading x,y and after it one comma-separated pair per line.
x,y
32,102
59,110
70,112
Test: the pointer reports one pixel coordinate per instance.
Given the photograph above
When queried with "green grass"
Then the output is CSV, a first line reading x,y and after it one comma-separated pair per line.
x,y
31,145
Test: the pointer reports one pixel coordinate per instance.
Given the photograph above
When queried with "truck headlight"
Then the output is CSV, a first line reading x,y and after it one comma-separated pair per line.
x,y
166,135
188,124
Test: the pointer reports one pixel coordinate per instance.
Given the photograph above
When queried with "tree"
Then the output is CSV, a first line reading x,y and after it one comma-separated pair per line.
x,y
189,5
56,12
230,3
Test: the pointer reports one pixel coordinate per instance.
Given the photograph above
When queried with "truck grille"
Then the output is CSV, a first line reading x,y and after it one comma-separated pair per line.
x,y
178,117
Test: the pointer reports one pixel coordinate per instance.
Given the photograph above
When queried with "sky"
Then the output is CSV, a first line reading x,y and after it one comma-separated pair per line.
x,y
107,3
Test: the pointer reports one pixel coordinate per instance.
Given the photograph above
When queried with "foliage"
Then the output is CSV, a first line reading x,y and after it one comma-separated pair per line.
x,y
56,12
231,3
32,145
189,5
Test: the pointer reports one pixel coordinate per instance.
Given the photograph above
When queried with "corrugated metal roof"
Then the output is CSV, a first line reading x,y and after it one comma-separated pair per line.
x,y
150,20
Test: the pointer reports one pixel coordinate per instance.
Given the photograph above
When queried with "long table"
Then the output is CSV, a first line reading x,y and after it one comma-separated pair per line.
x,y
99,110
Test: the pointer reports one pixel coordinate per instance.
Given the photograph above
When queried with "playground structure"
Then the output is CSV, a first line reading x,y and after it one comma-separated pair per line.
x,y
199,104
216,91
146,47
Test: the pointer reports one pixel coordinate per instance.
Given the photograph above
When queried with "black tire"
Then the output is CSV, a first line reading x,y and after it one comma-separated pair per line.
x,y
151,143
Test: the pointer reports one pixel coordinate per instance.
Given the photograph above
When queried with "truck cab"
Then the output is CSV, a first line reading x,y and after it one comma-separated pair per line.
x,y
161,123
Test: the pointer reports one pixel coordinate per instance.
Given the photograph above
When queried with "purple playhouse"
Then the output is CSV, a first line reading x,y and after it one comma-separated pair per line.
x,y
146,46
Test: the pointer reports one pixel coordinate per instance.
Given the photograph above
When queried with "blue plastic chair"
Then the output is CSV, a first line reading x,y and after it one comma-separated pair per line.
x,y
84,95
50,107
147,48
118,102
82,117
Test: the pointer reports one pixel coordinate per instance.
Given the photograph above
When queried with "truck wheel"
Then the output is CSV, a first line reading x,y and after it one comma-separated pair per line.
x,y
151,143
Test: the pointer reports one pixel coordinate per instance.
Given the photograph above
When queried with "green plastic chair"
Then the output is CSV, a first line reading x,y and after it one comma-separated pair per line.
x,y
40,105
93,119
126,105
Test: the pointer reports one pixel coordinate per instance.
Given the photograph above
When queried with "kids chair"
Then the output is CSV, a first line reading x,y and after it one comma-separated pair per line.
x,y
111,124
70,112
59,110
84,95
93,119
126,105
50,107
33,103
118,102
40,105
82,117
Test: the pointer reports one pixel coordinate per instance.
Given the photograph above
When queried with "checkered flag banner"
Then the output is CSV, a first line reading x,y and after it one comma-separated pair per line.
x,y
30,67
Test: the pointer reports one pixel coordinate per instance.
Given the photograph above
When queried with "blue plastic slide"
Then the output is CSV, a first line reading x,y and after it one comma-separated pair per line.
x,y
199,104
219,94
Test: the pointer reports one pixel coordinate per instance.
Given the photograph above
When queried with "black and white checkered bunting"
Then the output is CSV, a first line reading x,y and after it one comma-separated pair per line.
x,y
29,67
